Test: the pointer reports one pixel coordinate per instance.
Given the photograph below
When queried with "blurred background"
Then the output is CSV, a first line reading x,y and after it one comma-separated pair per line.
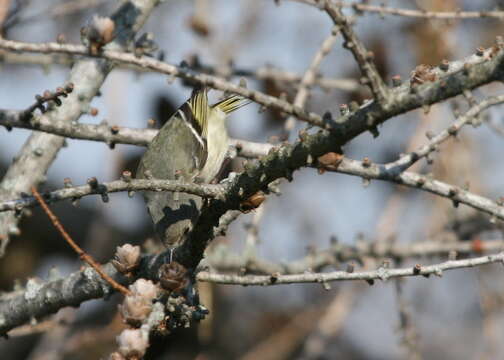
x,y
458,316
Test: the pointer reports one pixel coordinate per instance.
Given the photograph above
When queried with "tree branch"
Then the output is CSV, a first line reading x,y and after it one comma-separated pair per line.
x,y
168,69
285,159
310,75
381,273
363,57
423,14
40,149
76,192
82,254
221,259
457,194
404,162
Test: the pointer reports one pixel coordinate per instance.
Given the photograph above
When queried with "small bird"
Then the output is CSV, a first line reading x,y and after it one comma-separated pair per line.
x,y
190,147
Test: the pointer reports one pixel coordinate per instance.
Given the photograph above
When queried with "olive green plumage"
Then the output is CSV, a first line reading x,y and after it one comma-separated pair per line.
x,y
190,147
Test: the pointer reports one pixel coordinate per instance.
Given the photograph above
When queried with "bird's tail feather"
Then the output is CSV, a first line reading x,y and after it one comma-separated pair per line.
x,y
232,103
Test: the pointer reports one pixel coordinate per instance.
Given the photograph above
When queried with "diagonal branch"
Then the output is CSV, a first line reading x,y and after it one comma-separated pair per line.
x,y
82,254
40,150
457,194
266,72
310,75
285,159
363,57
168,69
404,162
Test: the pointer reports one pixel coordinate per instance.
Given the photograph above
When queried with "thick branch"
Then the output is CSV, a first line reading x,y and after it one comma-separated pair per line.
x,y
285,159
40,149
42,298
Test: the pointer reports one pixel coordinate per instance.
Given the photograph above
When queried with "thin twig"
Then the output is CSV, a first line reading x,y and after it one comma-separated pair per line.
x,y
406,324
363,57
40,149
222,259
421,14
381,273
82,254
457,194
310,75
177,71
404,162
76,192
266,72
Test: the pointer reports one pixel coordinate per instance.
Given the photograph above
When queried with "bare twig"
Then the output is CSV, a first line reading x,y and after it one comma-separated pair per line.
x,y
82,254
42,101
39,151
266,72
76,192
422,14
406,325
225,221
379,274
221,259
363,57
455,193
404,162
165,68
310,75
110,134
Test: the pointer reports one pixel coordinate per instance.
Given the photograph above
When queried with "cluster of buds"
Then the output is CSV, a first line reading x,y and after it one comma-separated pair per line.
x,y
173,277
182,304
172,303
422,74
127,258
98,33
138,305
133,344
145,45
183,310
43,102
